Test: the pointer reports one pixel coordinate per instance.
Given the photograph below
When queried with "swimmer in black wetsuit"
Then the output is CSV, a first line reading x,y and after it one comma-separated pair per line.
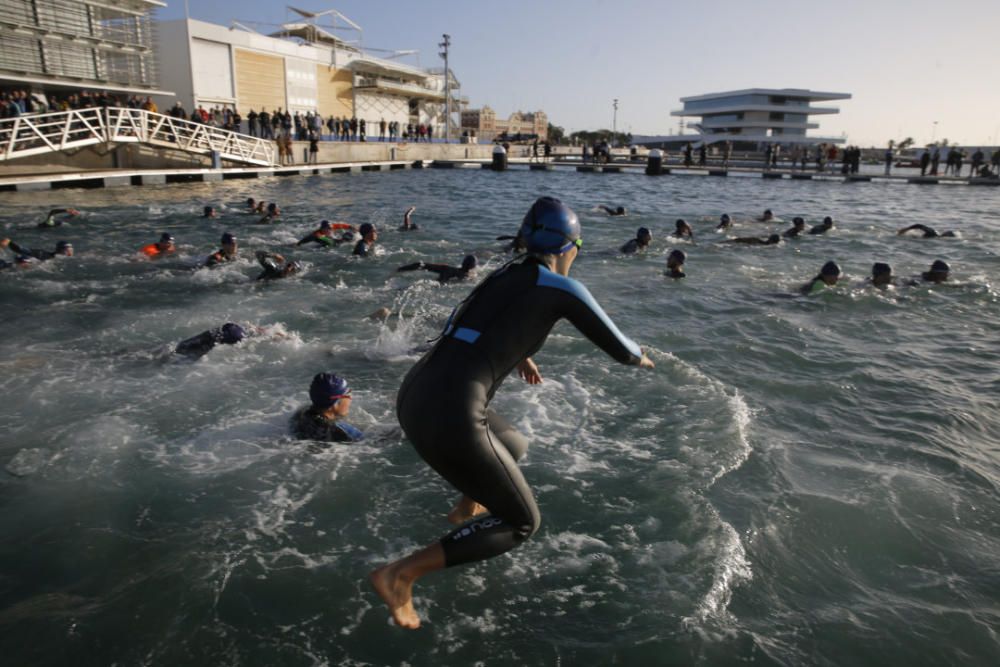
x,y
272,214
683,230
275,266
798,226
227,253
823,227
929,232
768,216
614,212
53,221
209,212
754,240
445,272
408,225
63,248
323,420
198,346
251,205
443,404
368,237
828,277
881,275
324,235
643,237
725,222
938,273
675,263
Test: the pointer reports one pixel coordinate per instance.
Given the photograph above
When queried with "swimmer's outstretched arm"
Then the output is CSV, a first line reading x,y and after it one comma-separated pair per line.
x,y
924,228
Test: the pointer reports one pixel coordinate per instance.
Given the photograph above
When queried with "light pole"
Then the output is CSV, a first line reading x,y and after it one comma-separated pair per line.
x,y
934,132
614,121
447,93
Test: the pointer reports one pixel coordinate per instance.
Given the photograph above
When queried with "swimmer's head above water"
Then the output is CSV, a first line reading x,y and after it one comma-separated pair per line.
x,y
881,274
469,263
938,273
64,248
330,393
830,273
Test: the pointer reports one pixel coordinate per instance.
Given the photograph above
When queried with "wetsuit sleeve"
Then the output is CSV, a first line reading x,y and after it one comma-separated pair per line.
x,y
16,249
630,247
361,249
416,266
307,239
583,311
197,346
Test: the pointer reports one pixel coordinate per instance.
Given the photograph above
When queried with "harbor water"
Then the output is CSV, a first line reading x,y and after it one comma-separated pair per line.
x,y
799,481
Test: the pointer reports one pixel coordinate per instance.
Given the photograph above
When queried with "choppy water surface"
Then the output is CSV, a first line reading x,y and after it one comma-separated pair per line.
x,y
799,481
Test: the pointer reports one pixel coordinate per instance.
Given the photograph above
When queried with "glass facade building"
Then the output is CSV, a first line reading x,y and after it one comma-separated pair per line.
x,y
84,44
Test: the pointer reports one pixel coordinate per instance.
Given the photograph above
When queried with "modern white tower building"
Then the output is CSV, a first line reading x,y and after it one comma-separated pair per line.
x,y
758,115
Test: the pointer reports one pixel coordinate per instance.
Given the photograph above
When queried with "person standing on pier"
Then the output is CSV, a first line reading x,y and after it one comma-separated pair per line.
x,y
925,161
727,154
888,159
252,123
767,157
702,155
935,161
977,161
687,155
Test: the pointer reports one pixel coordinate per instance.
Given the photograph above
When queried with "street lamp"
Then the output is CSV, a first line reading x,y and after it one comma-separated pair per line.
x,y
934,132
447,94
614,122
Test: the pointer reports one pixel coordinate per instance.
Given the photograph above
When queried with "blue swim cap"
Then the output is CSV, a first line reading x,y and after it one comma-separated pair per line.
x,y
830,269
365,228
228,239
326,389
231,333
469,263
325,225
549,227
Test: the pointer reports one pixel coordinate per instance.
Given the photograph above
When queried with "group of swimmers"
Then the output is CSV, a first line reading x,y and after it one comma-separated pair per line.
x,y
881,276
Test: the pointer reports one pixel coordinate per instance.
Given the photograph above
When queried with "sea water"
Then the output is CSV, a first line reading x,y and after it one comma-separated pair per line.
x,y
800,480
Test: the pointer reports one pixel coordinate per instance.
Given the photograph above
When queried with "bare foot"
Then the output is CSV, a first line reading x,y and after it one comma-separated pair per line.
x,y
397,595
465,510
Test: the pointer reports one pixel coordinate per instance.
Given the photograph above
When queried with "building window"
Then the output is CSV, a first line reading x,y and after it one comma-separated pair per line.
x,y
776,115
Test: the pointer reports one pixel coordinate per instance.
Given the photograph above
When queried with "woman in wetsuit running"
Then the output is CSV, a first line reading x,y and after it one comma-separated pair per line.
x,y
443,402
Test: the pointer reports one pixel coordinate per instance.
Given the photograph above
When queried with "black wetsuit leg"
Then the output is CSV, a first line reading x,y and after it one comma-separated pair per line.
x,y
460,445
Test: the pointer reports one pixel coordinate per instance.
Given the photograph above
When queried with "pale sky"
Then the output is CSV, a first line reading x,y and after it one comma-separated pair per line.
x,y
907,63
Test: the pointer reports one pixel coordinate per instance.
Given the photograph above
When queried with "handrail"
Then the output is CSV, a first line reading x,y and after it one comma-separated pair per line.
x,y
37,134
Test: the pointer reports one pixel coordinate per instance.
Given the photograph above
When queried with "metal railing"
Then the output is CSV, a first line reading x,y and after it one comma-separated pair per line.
x,y
37,134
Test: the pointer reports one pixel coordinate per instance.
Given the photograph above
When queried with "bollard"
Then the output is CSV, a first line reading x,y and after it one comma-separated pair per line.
x,y
499,159
216,160
654,163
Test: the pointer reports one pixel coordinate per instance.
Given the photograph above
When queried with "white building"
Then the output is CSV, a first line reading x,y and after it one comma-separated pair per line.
x,y
301,68
758,116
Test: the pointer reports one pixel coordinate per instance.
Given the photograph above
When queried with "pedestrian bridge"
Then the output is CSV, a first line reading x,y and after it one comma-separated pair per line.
x,y
37,134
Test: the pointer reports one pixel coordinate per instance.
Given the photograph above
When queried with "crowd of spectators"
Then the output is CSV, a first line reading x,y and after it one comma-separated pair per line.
x,y
17,102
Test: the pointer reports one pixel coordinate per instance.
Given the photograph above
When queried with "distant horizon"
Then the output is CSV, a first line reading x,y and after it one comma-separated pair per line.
x,y
573,58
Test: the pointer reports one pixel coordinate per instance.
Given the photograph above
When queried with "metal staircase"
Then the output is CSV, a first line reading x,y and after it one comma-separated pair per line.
x,y
37,134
